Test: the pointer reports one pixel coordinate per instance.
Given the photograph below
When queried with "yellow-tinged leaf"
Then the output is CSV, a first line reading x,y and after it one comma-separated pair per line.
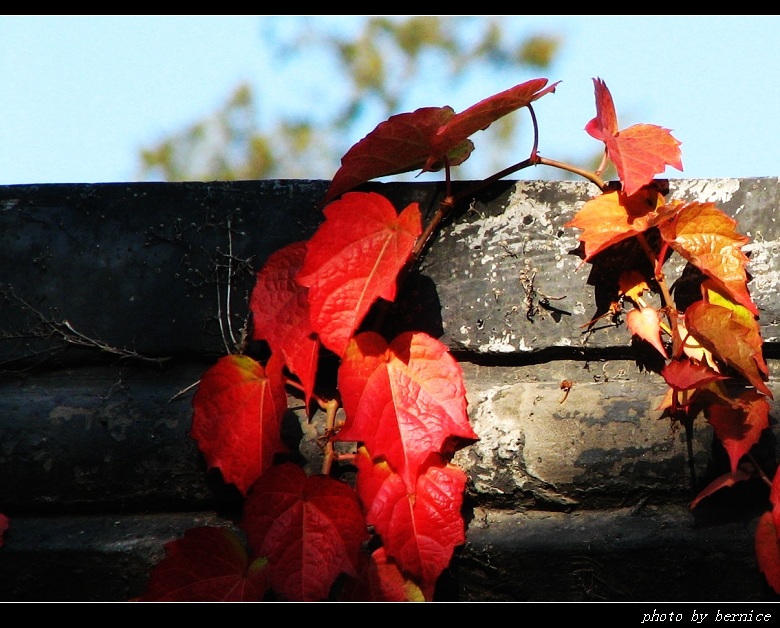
x,y
713,293
730,339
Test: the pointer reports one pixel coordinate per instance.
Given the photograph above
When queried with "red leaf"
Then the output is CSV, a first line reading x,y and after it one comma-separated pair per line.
x,y
404,401
739,426
638,152
238,411
208,565
705,236
420,529
605,124
480,116
309,528
354,259
280,314
774,499
768,550
686,375
724,481
400,144
422,138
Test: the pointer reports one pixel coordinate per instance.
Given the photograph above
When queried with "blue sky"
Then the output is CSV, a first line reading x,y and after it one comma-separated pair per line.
x,y
80,96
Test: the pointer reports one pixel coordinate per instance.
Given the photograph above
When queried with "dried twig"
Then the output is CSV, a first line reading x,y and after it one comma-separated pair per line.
x,y
69,334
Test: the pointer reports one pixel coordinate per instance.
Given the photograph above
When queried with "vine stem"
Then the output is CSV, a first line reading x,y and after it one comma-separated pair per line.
x,y
331,407
760,471
585,174
666,295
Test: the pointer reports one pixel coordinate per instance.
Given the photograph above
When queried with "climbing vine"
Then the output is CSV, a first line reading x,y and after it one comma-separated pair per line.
x,y
381,517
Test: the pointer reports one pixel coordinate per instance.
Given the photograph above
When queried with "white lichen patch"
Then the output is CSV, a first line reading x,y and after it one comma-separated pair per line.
x,y
500,345
528,206
705,190
523,347
499,445
765,283
501,234
763,267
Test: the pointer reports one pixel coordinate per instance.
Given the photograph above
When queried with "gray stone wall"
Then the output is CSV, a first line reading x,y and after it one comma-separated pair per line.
x,y
113,303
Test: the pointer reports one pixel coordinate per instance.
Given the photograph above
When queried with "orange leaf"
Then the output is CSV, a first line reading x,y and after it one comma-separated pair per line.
x,y
705,236
692,348
633,285
681,399
613,217
712,293
237,417
353,259
638,152
404,401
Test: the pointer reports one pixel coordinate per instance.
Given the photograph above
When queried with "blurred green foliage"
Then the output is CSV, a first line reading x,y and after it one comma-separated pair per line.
x,y
371,73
